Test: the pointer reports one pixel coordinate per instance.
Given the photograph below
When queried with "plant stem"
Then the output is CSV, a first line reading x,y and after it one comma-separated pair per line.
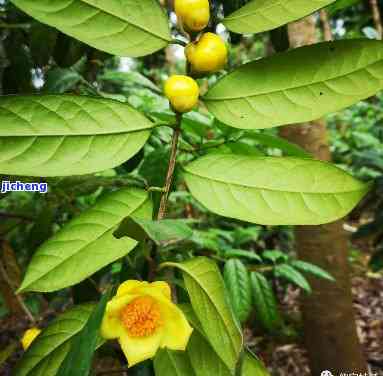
x,y
18,297
179,42
171,167
377,18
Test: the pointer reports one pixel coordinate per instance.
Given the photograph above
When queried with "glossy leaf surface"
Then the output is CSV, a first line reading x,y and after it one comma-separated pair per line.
x,y
273,190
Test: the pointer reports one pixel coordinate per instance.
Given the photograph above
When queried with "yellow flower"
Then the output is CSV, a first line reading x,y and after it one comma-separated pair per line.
x,y
29,336
193,14
208,55
182,92
143,319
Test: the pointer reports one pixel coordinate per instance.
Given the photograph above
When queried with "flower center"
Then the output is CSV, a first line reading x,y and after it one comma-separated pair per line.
x,y
141,317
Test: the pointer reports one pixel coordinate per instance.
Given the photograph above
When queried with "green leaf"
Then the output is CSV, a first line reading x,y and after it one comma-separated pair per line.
x,y
206,289
291,275
86,244
264,15
312,269
129,79
204,359
273,190
85,343
339,5
275,91
237,280
7,352
265,304
274,255
172,363
272,141
239,148
49,349
59,135
166,231
61,80
123,28
232,252
252,366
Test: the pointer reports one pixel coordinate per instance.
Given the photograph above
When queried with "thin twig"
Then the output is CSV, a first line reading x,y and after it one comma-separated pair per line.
x,y
377,17
171,167
179,42
18,297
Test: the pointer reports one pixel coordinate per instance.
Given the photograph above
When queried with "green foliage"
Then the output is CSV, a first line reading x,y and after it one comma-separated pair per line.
x,y
127,32
292,275
265,305
204,360
252,366
90,135
311,269
272,91
206,290
237,281
8,351
172,363
273,141
61,80
264,15
85,343
356,138
340,4
87,237
166,231
50,348
85,229
251,189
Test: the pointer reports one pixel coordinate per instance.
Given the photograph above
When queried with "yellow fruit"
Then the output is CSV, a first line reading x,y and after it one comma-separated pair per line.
x,y
193,14
208,55
29,336
182,92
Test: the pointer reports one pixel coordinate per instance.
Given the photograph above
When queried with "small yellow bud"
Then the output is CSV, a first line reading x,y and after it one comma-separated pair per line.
x,y
182,92
29,336
193,14
208,55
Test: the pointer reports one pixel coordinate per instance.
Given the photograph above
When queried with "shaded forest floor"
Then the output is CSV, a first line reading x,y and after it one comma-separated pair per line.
x,y
290,359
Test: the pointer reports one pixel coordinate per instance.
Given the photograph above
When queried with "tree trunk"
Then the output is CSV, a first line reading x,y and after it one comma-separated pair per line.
x,y
376,16
329,323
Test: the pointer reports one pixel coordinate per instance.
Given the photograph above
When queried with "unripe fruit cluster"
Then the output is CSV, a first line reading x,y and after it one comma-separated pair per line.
x,y
206,55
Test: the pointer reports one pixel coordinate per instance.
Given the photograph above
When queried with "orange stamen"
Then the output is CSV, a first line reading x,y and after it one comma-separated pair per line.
x,y
141,317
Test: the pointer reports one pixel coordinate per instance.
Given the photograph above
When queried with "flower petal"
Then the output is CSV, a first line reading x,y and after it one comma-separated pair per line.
x,y
111,326
130,286
29,336
160,287
177,330
138,349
